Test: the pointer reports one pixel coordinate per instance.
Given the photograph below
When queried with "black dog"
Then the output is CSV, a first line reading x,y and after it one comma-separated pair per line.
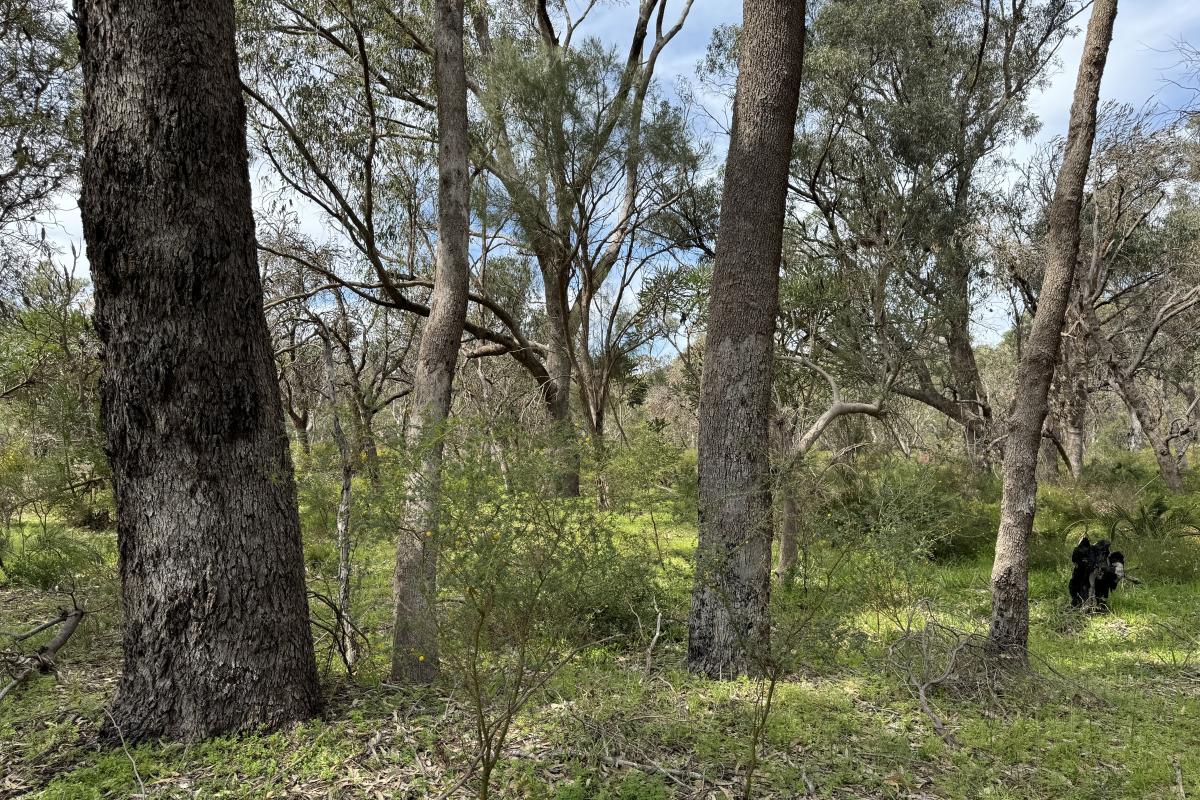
x,y
1097,572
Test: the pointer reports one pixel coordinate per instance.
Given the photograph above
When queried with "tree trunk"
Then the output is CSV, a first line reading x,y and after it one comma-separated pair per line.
x,y
343,509
1009,630
789,530
969,389
1137,436
728,626
364,430
1143,420
216,635
558,392
414,639
1048,466
1075,403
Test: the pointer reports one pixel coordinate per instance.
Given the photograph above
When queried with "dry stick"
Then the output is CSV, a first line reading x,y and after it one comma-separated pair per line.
x,y
20,637
466,776
654,640
43,659
1178,777
137,775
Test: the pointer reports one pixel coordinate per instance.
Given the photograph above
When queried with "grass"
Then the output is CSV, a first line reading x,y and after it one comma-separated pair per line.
x,y
1112,711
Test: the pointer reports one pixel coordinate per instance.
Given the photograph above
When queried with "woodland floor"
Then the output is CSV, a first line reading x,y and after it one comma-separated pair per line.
x,y
1112,710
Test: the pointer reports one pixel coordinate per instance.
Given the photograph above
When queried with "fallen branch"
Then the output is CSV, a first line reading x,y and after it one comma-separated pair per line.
x,y
42,661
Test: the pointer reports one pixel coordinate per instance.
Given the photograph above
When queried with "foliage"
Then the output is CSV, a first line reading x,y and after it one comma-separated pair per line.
x,y
51,556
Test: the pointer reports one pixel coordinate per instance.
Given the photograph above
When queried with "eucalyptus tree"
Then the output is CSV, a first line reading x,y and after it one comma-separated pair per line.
x,y
414,633
1008,633
728,623
1138,288
1135,301
215,619
582,166
906,108
39,121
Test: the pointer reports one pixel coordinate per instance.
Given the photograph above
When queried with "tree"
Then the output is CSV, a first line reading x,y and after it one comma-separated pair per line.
x,y
906,107
1134,303
571,116
728,625
215,628
414,636
1009,630
39,122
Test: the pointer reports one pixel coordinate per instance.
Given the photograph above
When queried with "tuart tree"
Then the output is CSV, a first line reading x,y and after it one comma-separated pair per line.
x,y
216,635
728,625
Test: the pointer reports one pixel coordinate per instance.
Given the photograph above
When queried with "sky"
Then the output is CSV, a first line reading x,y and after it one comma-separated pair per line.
x,y
1142,65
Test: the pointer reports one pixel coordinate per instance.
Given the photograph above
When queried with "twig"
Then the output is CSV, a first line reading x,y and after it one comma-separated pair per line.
x,y
654,640
137,775
458,784
1178,778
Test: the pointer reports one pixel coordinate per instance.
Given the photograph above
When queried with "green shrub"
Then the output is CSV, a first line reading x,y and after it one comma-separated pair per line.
x,y
53,556
902,508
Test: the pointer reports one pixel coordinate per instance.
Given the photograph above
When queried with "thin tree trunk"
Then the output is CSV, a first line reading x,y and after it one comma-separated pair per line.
x,y
558,392
1075,405
1143,420
789,531
1009,630
971,394
414,640
728,626
343,509
216,635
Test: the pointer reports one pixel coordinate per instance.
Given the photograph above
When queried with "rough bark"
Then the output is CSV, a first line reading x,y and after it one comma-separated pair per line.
x,y
215,619
414,636
1009,629
1073,403
728,626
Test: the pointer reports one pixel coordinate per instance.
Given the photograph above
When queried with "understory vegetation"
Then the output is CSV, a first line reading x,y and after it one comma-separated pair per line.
x,y
599,400
876,686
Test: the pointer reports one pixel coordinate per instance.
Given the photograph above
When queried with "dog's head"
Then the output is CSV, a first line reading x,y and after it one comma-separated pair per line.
x,y
1098,556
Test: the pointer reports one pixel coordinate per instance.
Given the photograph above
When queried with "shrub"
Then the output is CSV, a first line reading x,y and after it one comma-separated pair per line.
x,y
54,557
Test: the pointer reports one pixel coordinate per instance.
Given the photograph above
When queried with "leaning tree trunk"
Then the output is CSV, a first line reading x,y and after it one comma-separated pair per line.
x,y
215,620
414,637
728,626
1009,630
1143,419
